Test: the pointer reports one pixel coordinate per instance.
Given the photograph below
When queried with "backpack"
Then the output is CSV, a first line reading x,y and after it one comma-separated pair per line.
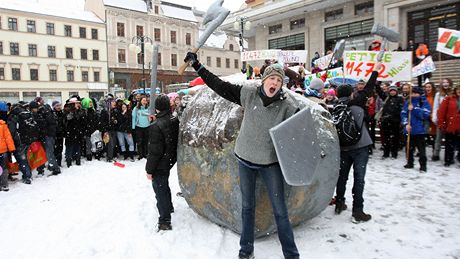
x,y
27,127
347,129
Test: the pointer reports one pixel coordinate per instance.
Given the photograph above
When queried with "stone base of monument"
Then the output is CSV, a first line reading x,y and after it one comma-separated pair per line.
x,y
208,169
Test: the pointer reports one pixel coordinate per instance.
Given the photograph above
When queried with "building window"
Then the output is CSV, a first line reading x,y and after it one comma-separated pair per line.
x,y
51,51
297,24
50,28
0,22
68,30
68,53
121,56
333,15
12,24
218,62
139,30
16,73
157,34
95,54
32,50
97,76
31,26
53,75
227,63
275,29
83,32
159,59
188,38
174,60
291,42
94,33
208,61
14,48
364,8
120,29
236,63
230,47
173,36
1,47
84,54
34,74
350,30
2,73
84,76
157,10
70,77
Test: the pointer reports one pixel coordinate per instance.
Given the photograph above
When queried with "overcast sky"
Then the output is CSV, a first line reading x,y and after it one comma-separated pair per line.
x,y
203,5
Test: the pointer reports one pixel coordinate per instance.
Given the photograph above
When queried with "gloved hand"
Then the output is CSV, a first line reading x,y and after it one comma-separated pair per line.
x,y
192,57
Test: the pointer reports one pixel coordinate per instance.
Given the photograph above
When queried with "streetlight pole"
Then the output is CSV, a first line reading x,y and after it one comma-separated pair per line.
x,y
139,44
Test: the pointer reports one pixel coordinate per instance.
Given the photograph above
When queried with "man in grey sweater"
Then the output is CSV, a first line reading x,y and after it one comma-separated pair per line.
x,y
264,107
356,155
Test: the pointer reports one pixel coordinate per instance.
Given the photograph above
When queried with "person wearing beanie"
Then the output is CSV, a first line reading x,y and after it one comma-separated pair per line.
x,y
444,89
331,99
314,92
390,120
40,100
254,149
162,155
449,123
419,109
356,155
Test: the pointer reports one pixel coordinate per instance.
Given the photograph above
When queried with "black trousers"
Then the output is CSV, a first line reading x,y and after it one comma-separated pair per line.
x,y
417,141
391,138
58,148
142,141
163,195
452,143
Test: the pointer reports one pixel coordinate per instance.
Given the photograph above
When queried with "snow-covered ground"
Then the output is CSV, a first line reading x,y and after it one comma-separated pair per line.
x,y
99,210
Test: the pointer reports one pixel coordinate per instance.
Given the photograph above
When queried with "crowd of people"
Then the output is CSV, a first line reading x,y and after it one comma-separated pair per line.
x,y
108,129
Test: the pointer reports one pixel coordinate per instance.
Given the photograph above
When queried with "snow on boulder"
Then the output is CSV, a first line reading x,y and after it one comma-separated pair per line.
x,y
208,169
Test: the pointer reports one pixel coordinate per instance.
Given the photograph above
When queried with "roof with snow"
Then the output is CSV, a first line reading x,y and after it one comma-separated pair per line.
x,y
215,40
178,11
134,5
34,7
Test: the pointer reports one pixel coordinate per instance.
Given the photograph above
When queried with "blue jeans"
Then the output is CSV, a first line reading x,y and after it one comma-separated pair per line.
x,y
49,148
358,158
274,182
121,141
21,156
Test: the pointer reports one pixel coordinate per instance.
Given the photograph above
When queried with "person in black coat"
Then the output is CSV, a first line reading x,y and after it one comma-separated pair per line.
x,y
73,119
163,135
60,131
124,131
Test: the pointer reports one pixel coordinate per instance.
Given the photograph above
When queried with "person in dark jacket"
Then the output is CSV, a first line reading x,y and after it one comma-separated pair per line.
x,y
161,158
356,155
254,148
73,119
420,110
89,126
109,126
124,132
60,131
391,120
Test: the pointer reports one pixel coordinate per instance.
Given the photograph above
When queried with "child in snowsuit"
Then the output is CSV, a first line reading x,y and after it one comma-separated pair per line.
x,y
6,145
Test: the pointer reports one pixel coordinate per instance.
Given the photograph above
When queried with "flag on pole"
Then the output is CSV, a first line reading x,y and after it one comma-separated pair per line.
x,y
448,42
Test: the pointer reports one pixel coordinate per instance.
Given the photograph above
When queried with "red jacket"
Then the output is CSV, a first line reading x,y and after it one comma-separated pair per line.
x,y
449,116
6,141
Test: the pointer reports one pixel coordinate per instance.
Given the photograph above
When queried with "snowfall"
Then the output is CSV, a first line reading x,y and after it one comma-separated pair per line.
x,y
98,210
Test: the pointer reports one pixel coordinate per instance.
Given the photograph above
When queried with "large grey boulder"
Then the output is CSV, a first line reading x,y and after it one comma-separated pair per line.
x,y
208,171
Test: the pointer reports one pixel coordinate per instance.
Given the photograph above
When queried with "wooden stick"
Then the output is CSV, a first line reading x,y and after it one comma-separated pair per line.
x,y
184,66
408,123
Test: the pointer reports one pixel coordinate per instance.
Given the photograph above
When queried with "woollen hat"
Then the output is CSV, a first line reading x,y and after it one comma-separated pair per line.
x,y
273,70
33,105
39,99
162,103
331,92
55,103
344,90
393,88
316,84
417,89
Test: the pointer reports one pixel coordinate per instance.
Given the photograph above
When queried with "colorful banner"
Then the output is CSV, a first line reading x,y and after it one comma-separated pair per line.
x,y
332,73
396,66
448,42
293,56
323,62
260,55
426,66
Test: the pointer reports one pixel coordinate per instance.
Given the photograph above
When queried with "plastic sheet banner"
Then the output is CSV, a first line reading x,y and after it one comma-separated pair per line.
x,y
426,66
323,62
396,66
293,56
448,42
331,73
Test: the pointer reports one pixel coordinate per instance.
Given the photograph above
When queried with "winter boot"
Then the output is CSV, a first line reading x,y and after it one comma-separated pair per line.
x,y
131,156
78,161
360,216
56,171
435,158
242,255
164,226
125,155
4,188
422,168
69,163
340,206
27,181
89,157
407,166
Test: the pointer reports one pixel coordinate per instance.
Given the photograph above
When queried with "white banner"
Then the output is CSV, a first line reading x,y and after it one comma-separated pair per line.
x,y
331,73
323,62
260,55
396,66
426,66
448,42
293,56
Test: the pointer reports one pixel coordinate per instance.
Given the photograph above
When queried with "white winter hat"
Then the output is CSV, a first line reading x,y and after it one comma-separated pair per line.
x,y
316,84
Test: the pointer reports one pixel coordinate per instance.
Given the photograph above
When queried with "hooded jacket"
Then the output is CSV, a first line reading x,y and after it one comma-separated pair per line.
x,y
419,115
6,141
